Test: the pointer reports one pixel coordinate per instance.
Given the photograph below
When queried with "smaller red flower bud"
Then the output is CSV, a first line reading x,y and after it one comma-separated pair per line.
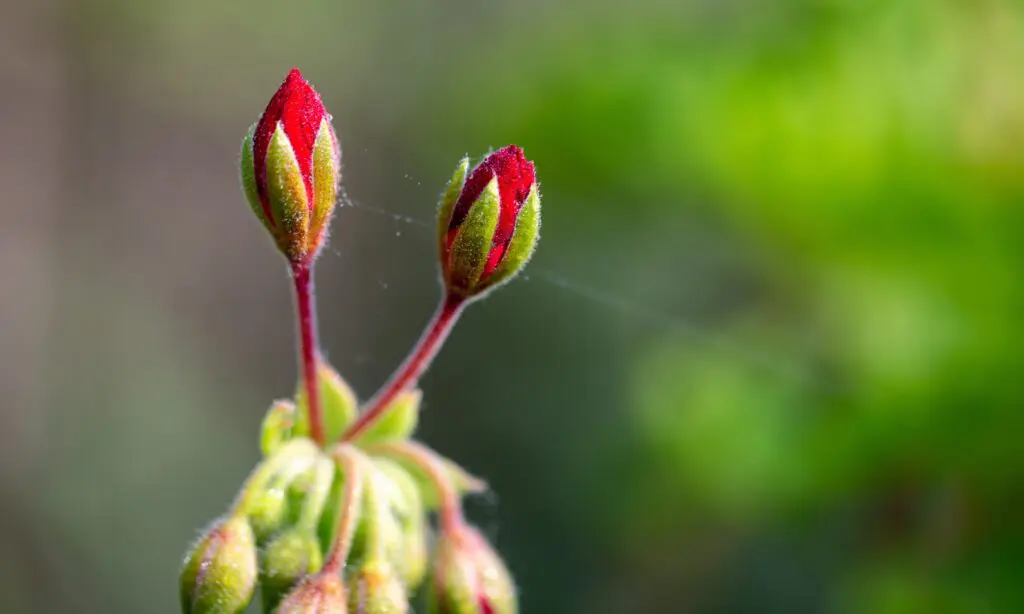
x,y
470,577
291,167
488,223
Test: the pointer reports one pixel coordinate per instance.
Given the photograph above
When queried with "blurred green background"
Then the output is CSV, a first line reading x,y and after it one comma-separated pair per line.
x,y
767,358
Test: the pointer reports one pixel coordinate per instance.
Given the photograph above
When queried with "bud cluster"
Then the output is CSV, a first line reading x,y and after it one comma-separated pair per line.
x,y
346,512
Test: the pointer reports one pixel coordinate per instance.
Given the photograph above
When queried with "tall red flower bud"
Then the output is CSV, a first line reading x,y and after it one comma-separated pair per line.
x,y
291,164
488,223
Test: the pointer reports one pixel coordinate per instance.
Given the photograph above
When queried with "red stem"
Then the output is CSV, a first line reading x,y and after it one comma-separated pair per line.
x,y
302,275
409,373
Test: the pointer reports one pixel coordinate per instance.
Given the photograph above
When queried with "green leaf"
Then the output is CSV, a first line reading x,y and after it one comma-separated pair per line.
x,y
397,422
337,402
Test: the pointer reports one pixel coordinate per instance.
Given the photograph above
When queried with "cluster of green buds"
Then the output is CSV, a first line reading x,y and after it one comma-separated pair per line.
x,y
347,512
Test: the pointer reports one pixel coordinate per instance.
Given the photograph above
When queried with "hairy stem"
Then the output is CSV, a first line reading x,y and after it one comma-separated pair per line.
x,y
353,469
409,373
302,276
431,464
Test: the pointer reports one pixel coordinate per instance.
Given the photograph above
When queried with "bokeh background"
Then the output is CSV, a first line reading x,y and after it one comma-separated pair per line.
x,y
767,358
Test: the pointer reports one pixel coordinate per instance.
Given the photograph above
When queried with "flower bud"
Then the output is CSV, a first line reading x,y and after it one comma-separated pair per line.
x,y
287,559
406,503
265,498
219,574
277,426
469,577
291,164
379,535
375,588
322,593
488,224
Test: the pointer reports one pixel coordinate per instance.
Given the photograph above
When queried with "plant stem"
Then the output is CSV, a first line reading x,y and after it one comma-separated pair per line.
x,y
428,460
302,275
409,373
351,500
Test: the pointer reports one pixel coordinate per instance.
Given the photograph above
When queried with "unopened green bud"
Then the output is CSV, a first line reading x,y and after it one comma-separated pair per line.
x,y
469,576
289,557
219,573
406,504
379,535
322,593
277,426
265,497
375,588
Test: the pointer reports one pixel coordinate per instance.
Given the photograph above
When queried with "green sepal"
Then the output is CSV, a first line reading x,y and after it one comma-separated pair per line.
x,y
287,559
326,174
522,244
248,177
472,243
448,199
398,421
286,195
338,404
278,426
219,573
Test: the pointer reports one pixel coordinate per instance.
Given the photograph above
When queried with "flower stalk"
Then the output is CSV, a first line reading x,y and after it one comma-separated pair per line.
x,y
353,468
409,373
305,309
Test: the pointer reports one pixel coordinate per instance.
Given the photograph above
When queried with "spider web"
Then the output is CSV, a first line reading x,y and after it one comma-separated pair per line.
x,y
722,345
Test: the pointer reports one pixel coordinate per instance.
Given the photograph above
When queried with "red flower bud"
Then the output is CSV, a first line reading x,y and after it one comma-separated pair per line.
x,y
488,223
291,166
